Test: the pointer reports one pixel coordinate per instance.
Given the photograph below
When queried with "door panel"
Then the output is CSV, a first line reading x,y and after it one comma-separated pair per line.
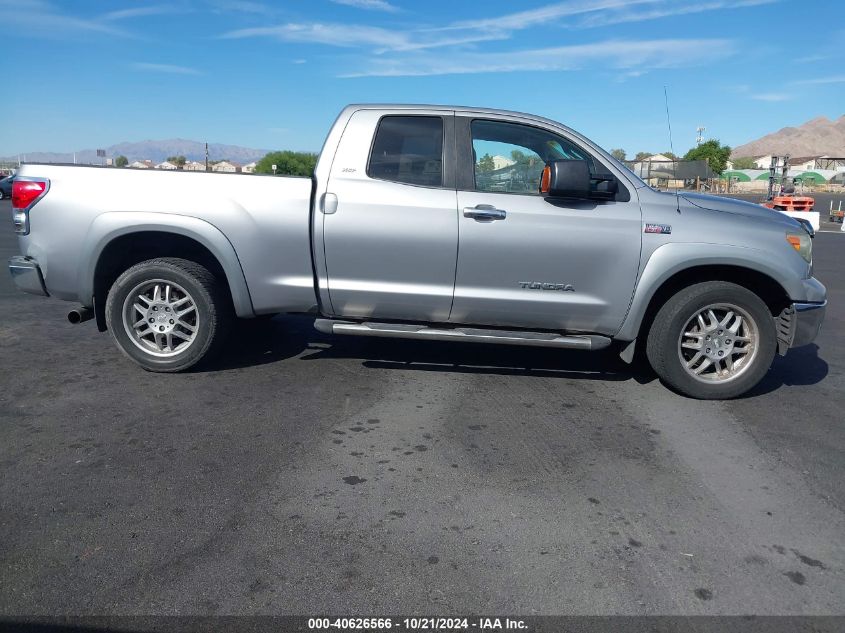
x,y
564,265
390,247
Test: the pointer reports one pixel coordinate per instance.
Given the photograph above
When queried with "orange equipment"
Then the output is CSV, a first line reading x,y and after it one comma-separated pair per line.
x,y
791,203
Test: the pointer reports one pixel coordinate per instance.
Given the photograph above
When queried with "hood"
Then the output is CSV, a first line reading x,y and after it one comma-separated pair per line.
x,y
737,207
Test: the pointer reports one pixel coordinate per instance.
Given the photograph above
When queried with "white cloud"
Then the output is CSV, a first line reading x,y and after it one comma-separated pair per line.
x,y
138,12
608,18
806,59
372,5
612,54
543,15
166,68
43,19
833,79
772,96
343,35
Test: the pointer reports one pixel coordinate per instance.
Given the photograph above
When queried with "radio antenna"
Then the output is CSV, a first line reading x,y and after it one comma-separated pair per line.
x,y
671,146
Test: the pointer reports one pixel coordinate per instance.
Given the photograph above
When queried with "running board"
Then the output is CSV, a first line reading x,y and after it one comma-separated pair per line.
x,y
463,334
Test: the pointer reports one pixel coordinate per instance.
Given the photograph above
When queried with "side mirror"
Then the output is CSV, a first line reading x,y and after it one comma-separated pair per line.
x,y
572,179
566,179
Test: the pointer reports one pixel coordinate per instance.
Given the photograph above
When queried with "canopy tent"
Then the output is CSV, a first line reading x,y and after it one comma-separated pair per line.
x,y
810,177
736,175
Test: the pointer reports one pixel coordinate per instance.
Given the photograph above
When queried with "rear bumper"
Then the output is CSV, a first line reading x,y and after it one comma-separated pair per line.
x,y
27,275
808,322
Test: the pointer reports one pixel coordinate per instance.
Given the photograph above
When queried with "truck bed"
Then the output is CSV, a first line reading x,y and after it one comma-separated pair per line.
x,y
264,219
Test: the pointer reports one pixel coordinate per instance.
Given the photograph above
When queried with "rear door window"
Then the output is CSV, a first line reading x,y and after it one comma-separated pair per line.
x,y
408,149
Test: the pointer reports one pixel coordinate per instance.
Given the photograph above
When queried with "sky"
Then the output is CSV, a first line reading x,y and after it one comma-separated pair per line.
x,y
274,74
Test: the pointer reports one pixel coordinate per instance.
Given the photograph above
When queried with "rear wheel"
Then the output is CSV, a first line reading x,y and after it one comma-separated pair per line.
x,y
713,340
168,314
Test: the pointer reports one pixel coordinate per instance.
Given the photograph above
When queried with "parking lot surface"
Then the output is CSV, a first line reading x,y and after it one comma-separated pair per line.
x,y
302,474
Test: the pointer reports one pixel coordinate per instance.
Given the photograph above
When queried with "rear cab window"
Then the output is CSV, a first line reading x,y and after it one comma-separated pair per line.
x,y
408,149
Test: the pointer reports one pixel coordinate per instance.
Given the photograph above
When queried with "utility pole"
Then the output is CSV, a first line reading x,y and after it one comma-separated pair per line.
x,y
206,157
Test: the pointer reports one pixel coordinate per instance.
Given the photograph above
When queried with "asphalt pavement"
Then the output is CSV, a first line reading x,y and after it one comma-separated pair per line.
x,y
303,474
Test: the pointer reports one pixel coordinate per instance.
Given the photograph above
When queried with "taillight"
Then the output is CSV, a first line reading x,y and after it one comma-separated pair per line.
x,y
25,193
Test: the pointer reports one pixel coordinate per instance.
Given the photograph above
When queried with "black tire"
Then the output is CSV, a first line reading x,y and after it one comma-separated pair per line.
x,y
207,294
664,337
2,195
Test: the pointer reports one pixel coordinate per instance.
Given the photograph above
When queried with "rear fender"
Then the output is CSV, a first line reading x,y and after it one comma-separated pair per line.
x,y
108,226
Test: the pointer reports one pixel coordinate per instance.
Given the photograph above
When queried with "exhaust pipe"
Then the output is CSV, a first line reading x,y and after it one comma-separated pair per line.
x,y
80,314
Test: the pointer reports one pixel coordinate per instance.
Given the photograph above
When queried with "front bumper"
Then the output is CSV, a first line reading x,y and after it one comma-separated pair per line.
x,y
808,322
799,324
27,275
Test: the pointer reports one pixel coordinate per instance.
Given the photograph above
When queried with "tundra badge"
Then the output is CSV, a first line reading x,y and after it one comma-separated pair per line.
x,y
539,285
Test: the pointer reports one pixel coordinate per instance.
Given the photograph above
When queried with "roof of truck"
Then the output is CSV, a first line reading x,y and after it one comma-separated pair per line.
x,y
432,106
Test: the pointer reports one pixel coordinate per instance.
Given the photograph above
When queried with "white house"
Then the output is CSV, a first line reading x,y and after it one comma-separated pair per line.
x,y
762,162
166,165
226,167
500,162
139,165
193,165
249,168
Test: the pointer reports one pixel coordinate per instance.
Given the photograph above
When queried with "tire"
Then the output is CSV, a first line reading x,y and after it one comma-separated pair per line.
x,y
713,340
2,195
168,314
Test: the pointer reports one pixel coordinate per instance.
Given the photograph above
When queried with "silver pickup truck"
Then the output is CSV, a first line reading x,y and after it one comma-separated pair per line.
x,y
427,222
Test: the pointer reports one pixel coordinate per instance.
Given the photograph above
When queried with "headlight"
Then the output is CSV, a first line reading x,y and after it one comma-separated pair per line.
x,y
802,243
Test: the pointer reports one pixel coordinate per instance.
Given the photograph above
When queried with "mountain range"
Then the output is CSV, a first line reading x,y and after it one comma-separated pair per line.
x,y
156,151
817,137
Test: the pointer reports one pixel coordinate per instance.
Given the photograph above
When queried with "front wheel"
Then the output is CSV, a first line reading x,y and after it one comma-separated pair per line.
x,y
168,314
713,340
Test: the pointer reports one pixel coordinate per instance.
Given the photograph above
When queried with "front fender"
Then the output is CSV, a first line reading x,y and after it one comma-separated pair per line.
x,y
670,259
108,226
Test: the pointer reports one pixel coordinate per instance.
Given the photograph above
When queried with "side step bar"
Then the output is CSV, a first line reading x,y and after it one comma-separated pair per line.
x,y
463,334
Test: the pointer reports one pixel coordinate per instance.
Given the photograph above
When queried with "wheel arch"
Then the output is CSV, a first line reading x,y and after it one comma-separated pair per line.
x,y
117,241
661,279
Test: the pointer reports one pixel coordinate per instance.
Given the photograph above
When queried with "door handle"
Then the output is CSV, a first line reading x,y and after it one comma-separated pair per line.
x,y
485,213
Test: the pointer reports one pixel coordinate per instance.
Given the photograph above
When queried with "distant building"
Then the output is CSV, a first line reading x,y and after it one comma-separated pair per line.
x,y
500,162
803,163
226,167
762,162
836,163
138,164
657,158
193,165
249,168
166,165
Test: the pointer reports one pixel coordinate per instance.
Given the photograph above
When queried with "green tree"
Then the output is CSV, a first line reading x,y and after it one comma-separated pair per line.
x,y
671,155
618,154
642,156
713,152
744,162
287,163
121,161
179,161
486,164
